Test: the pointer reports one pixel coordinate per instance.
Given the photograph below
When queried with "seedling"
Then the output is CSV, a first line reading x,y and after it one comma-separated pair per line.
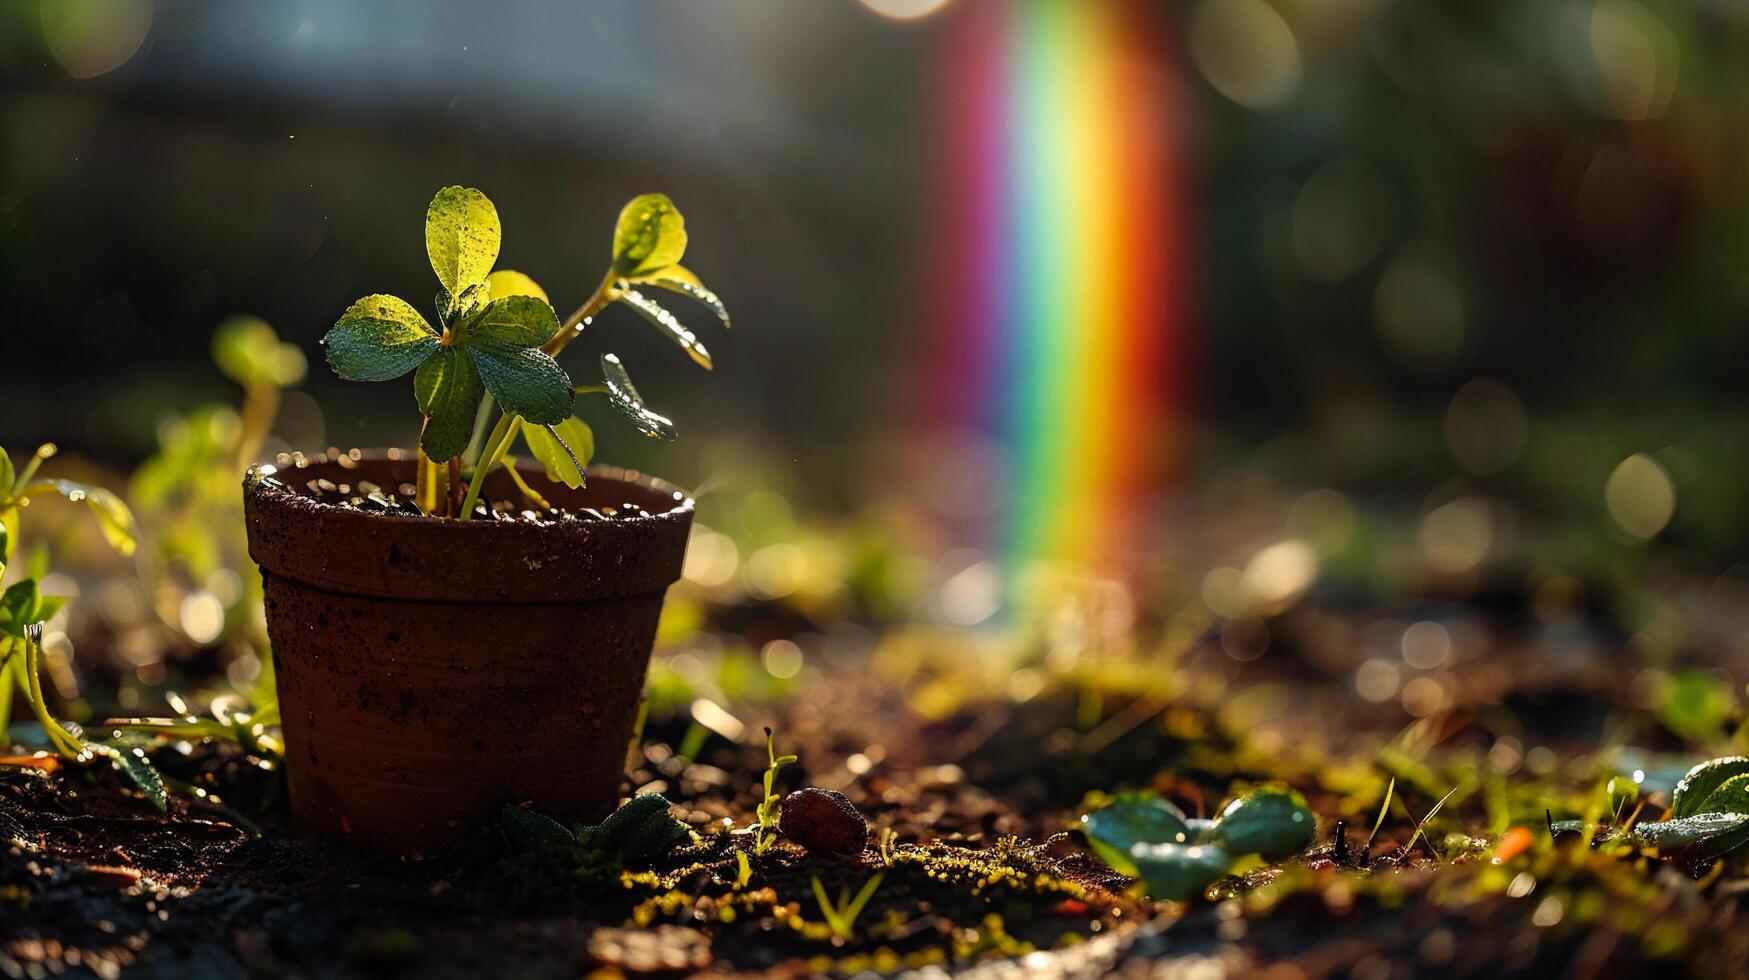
x,y
23,609
495,342
23,603
186,492
1384,808
641,830
841,915
17,489
1146,837
767,813
1421,826
227,721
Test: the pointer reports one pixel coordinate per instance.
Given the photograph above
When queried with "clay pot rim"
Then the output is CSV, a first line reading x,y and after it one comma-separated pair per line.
x,y
256,485
349,551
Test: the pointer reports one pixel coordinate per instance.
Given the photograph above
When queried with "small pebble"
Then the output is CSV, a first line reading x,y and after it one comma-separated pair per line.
x,y
824,822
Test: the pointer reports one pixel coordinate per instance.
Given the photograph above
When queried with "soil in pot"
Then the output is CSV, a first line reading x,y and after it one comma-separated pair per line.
x,y
432,670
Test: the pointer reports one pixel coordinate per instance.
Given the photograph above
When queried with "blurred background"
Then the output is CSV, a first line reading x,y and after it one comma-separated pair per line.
x,y
1214,305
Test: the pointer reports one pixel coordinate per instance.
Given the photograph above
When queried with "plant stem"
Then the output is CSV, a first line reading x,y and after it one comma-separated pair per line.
x,y
499,440
604,294
482,415
63,740
260,408
6,687
531,493
425,493
43,452
496,444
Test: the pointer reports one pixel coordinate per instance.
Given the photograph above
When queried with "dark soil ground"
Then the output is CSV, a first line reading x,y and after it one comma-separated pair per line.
x,y
970,795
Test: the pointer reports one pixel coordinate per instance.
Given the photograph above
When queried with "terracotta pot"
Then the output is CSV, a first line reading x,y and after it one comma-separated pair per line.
x,y
431,670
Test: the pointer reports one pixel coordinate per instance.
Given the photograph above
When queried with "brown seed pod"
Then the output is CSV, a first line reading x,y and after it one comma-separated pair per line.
x,y
824,822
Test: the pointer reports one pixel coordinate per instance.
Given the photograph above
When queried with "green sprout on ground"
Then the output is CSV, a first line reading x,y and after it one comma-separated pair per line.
x,y
496,340
24,609
1144,836
186,493
767,813
841,915
642,830
245,725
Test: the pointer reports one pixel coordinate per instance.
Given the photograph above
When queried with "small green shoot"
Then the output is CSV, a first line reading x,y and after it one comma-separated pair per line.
x,y
768,807
841,915
1146,837
17,489
130,761
23,609
743,870
1421,827
641,830
1384,808
186,491
227,720
495,340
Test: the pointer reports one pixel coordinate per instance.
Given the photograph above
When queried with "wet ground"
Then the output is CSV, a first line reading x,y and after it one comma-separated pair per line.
x,y
971,781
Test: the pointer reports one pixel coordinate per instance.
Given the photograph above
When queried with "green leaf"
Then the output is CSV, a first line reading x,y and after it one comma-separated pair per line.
x,y
248,352
8,534
1696,788
36,564
18,606
49,605
1179,872
1732,797
1273,822
642,828
1703,835
7,476
462,236
520,321
448,388
1131,819
509,282
650,235
679,279
133,764
455,309
525,381
531,831
563,449
630,404
113,517
669,324
379,338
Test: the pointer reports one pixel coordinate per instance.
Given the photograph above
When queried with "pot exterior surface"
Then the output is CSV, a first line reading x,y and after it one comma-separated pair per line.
x,y
431,670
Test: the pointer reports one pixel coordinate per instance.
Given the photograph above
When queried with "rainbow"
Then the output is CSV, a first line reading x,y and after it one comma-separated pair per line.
x,y
1061,266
